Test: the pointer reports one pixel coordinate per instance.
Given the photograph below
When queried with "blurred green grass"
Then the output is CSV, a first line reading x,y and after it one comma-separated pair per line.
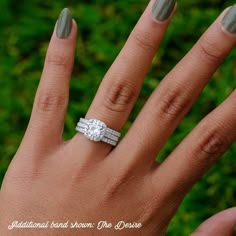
x,y
26,27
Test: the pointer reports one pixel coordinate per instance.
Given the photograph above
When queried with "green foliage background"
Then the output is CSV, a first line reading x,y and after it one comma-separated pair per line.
x,y
26,27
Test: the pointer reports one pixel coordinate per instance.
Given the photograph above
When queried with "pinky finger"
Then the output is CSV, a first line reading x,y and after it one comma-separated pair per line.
x,y
47,119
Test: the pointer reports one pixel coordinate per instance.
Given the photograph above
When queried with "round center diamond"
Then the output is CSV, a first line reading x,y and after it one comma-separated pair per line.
x,y
96,130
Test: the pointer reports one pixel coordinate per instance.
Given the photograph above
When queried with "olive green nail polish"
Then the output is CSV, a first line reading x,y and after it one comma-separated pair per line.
x,y
229,20
162,9
64,24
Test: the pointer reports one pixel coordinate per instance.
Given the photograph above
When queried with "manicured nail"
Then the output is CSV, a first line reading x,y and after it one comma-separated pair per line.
x,y
162,9
229,20
64,24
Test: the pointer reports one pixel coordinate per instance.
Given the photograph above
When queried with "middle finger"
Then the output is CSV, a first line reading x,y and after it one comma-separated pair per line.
x,y
176,93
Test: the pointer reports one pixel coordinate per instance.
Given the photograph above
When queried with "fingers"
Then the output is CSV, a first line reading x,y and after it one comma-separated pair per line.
x,y
177,92
223,223
47,119
199,151
121,85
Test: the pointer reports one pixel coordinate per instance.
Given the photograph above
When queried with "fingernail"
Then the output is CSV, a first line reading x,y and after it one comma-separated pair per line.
x,y
229,20
64,24
162,9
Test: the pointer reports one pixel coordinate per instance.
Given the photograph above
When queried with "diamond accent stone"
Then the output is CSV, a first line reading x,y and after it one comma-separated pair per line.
x,y
95,130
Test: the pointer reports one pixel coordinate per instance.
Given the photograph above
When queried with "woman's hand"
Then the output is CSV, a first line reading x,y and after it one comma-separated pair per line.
x,y
85,181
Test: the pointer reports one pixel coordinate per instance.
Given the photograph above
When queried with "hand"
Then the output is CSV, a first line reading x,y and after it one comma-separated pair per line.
x,y
84,181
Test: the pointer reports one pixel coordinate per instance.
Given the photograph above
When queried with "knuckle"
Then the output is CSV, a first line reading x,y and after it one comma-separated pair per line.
x,y
174,102
213,142
50,101
119,96
144,41
58,60
210,52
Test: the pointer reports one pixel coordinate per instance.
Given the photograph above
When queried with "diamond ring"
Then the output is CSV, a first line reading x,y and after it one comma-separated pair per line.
x,y
97,131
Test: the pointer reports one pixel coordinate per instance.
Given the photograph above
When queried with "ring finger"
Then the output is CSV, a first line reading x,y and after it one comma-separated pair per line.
x,y
120,87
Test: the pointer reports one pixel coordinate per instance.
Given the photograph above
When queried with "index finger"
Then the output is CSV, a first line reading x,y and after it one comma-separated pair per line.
x,y
200,150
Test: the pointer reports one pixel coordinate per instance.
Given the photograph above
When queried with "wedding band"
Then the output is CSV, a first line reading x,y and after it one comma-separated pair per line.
x,y
96,130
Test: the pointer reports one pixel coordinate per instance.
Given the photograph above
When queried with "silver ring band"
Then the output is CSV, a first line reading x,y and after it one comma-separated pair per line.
x,y
97,131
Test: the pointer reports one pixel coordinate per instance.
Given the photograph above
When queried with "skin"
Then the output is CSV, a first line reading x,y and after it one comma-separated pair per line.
x,y
84,181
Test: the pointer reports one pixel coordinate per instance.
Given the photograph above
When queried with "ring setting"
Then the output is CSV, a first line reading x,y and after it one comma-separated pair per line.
x,y
97,131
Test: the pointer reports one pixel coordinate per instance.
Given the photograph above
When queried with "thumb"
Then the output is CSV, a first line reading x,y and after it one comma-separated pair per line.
x,y
221,224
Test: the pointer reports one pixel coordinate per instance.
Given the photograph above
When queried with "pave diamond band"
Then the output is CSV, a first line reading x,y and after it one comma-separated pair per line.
x,y
97,131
